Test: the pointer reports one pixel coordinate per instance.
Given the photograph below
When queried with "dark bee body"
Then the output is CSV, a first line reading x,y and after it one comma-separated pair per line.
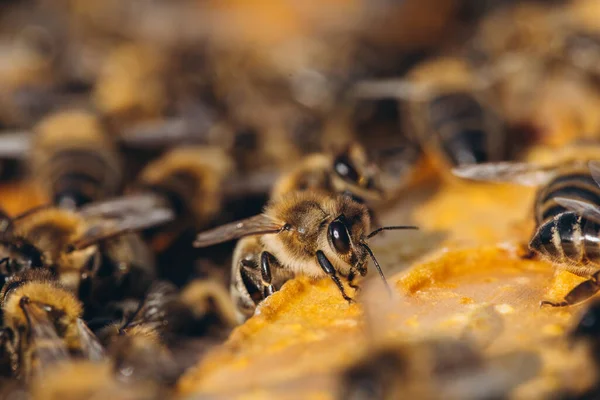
x,y
42,324
74,160
563,236
461,129
574,181
567,215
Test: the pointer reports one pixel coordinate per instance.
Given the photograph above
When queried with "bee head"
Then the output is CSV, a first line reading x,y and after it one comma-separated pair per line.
x,y
351,167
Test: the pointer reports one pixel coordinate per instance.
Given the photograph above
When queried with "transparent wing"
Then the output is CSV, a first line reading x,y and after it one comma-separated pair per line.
x,y
90,345
587,210
6,223
106,228
48,347
595,170
14,144
525,174
394,88
141,204
153,307
257,225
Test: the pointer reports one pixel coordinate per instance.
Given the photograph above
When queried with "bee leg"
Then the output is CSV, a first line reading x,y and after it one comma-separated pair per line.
x,y
329,270
579,293
6,261
351,283
7,345
86,278
266,259
525,253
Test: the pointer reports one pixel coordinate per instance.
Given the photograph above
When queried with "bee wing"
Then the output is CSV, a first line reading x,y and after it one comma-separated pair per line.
x,y
595,171
49,347
525,174
395,88
257,225
152,307
107,228
90,345
6,223
585,209
14,144
141,204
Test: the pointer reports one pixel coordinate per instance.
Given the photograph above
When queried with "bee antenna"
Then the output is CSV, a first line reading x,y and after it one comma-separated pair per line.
x,y
368,249
390,228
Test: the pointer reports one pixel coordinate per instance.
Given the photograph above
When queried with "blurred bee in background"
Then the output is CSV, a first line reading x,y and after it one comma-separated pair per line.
x,y
435,368
84,380
452,365
377,125
162,320
586,331
185,183
43,321
307,233
66,243
555,89
76,163
566,215
347,172
17,253
448,111
74,160
130,87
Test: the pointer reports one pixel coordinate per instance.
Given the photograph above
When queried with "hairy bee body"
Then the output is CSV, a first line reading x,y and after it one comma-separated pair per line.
x,y
73,160
51,230
45,325
310,233
347,172
188,180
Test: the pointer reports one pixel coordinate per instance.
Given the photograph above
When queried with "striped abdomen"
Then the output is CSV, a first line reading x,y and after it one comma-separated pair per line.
x,y
568,238
74,160
575,183
463,130
75,177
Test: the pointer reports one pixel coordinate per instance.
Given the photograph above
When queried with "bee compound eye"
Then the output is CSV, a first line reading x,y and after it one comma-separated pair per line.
x,y
344,168
339,236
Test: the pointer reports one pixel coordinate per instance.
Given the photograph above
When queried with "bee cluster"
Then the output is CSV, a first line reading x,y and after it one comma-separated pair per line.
x,y
149,128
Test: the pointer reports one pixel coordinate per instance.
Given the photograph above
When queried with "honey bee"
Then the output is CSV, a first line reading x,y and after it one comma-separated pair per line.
x,y
85,380
44,324
377,125
17,253
130,85
435,368
454,366
307,233
346,172
587,328
587,331
140,344
555,91
449,110
68,243
73,159
566,215
184,187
